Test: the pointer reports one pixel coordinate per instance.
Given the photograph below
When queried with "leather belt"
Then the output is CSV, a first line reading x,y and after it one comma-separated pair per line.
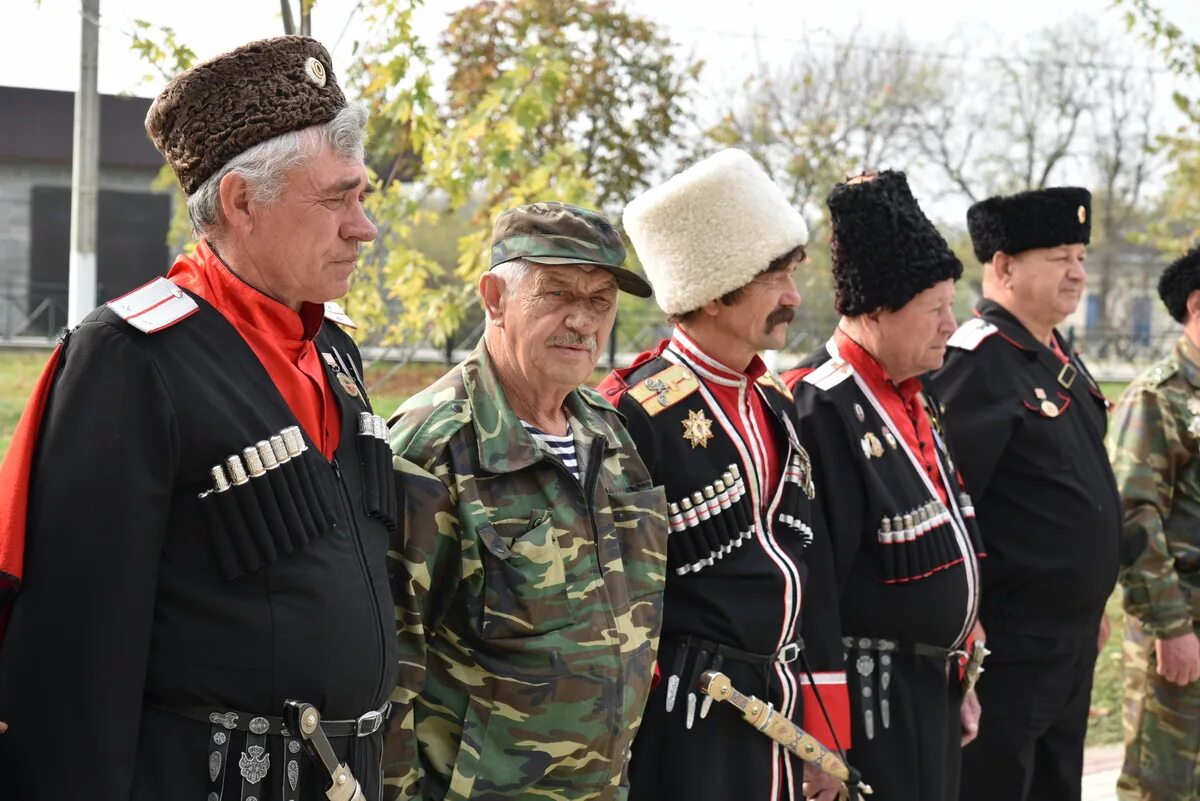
x,y
363,726
896,646
253,761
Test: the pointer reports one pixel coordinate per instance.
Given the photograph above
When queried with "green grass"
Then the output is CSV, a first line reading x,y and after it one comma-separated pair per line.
x,y
19,370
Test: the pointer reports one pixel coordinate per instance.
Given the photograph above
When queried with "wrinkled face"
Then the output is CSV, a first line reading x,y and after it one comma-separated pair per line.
x,y
1047,283
557,321
761,315
912,340
305,246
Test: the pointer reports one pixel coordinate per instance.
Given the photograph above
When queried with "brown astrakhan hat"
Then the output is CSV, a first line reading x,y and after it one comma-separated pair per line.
x,y
223,107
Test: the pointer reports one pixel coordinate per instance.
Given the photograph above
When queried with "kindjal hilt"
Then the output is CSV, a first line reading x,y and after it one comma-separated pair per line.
x,y
763,717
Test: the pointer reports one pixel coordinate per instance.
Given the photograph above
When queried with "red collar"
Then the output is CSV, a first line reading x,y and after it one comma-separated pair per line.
x,y
713,369
205,274
872,371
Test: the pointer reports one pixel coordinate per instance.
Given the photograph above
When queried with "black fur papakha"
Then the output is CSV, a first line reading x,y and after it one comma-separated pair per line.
x,y
1180,279
885,250
1042,218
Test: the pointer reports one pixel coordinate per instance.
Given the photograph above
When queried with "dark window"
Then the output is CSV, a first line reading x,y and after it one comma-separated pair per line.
x,y
131,248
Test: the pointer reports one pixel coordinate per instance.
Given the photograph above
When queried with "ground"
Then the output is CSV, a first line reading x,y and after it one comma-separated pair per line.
x,y
19,370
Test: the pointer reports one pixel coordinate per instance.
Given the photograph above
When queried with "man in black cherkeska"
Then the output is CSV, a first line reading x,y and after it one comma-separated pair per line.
x,y
905,545
197,503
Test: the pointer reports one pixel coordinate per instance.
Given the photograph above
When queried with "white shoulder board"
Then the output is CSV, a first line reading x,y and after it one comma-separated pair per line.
x,y
829,374
154,306
335,312
971,333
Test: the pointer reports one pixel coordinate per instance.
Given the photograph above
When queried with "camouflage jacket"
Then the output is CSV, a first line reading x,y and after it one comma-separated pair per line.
x,y
1154,444
528,603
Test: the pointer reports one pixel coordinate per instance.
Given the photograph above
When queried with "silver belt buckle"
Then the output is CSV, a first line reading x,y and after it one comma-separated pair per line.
x,y
788,653
369,723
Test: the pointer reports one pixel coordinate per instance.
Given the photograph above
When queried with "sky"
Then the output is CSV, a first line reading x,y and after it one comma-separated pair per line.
x,y
39,43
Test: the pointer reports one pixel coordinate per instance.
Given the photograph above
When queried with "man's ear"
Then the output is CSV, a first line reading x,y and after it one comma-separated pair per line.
x,y
491,293
1193,306
237,206
1002,266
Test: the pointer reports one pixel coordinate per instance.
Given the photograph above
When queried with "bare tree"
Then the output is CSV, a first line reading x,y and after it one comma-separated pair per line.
x,y
1008,123
834,111
289,22
1123,133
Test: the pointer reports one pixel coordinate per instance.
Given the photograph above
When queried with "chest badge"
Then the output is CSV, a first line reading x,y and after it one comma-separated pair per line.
x,y
697,429
858,412
890,438
872,447
1048,407
348,384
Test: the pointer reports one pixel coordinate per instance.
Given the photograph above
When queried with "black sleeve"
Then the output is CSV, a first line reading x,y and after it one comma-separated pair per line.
x,y
73,667
637,422
979,420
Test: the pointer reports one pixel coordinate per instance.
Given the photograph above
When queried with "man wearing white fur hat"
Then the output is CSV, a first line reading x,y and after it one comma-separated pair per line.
x,y
720,245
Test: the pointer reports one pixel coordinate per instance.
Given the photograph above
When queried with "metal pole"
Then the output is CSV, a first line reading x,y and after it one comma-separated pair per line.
x,y
85,168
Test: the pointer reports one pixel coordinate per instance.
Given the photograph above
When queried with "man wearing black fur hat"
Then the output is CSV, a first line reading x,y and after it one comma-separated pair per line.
x,y
199,498
1028,423
1153,443
904,541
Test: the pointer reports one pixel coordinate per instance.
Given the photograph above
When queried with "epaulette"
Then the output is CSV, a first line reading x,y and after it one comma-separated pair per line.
x,y
593,398
829,374
971,333
769,379
1162,371
335,312
154,306
664,389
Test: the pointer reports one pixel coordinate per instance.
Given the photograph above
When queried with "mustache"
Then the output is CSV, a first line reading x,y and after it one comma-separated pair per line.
x,y
783,314
573,340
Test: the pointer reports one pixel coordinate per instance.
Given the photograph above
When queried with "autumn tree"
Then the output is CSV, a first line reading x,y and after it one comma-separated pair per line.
x,y
1177,217
620,103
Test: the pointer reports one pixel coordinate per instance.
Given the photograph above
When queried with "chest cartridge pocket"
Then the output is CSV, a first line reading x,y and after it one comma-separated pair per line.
x,y
266,502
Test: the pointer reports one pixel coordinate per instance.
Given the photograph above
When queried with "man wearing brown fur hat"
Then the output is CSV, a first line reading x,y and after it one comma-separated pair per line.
x,y
1027,421
905,544
198,499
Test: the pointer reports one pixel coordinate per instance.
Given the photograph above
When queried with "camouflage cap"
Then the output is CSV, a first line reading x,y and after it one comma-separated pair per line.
x,y
552,233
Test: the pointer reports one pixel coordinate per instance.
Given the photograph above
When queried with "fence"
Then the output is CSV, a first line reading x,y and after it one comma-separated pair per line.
x,y
33,311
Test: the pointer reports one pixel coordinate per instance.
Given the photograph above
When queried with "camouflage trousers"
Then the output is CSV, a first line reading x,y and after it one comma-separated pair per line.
x,y
1162,728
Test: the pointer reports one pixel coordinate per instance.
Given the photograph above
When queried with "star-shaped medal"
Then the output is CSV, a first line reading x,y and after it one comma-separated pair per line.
x,y
697,429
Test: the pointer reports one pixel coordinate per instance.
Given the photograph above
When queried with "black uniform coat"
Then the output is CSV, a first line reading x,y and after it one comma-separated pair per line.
x,y
923,591
1029,431
1044,492
750,599
127,607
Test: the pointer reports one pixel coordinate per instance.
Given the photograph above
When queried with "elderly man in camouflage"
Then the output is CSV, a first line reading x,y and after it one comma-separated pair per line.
x,y
1153,444
530,579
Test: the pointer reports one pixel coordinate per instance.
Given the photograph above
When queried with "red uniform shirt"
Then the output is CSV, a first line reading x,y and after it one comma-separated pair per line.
x,y
736,392
280,337
903,404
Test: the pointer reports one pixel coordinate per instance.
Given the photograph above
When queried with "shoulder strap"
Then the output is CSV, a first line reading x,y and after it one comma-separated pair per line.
x,y
335,312
971,333
154,306
664,389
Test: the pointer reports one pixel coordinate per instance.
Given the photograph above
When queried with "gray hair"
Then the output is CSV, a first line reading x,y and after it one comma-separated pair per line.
x,y
267,164
513,273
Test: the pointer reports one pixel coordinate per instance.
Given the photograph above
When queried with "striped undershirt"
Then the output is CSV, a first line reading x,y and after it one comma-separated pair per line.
x,y
562,447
